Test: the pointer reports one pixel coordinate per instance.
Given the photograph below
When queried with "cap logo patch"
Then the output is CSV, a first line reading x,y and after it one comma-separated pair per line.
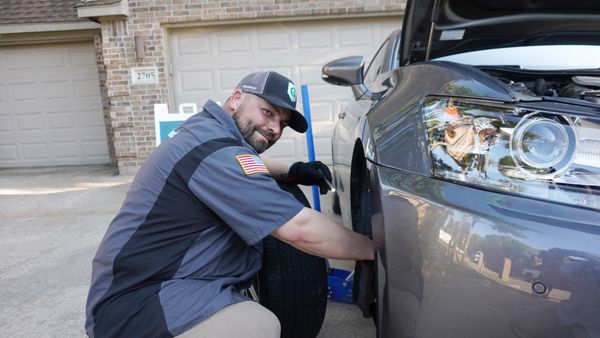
x,y
251,164
291,92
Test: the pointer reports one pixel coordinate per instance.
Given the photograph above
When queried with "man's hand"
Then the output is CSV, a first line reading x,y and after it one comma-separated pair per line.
x,y
310,173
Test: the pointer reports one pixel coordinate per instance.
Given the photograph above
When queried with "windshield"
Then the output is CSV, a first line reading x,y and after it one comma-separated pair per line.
x,y
533,57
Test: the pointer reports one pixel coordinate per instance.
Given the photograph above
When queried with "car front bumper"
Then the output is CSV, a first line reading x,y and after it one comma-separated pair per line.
x,y
462,262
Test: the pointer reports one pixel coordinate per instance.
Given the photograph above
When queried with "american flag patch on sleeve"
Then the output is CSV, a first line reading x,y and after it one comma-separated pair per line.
x,y
251,164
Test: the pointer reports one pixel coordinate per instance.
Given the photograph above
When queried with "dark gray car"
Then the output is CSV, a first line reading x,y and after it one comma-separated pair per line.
x,y
471,154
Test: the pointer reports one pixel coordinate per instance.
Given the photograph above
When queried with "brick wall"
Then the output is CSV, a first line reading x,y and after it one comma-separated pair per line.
x,y
104,95
130,108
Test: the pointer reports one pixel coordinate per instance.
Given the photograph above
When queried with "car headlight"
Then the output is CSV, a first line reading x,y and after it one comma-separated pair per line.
x,y
530,152
543,144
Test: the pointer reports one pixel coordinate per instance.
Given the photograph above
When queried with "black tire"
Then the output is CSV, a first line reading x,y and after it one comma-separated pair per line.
x,y
335,203
293,285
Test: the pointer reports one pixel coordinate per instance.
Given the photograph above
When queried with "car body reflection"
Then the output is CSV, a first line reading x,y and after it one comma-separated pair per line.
x,y
482,276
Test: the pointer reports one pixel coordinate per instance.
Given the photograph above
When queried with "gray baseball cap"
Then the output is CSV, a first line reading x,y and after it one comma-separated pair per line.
x,y
278,90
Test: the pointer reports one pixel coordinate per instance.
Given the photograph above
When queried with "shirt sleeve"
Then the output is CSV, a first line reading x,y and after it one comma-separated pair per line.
x,y
234,183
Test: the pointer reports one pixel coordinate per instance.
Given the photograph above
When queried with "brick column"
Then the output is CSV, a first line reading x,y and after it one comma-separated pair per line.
x,y
130,107
110,135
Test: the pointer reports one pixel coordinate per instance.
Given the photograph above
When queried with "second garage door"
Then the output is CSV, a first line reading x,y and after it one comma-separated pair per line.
x,y
50,106
207,63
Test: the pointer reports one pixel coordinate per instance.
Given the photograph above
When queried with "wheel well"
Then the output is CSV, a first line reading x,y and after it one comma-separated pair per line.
x,y
365,280
360,199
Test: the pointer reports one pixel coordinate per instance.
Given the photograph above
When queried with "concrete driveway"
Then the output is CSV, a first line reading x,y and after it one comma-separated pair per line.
x,y
52,220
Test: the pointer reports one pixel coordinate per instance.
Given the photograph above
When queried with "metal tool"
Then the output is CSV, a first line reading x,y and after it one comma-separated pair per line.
x,y
331,187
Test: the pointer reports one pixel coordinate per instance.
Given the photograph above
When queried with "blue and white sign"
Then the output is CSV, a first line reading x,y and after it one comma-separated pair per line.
x,y
166,123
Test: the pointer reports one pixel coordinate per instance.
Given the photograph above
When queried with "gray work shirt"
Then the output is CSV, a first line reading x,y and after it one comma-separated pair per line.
x,y
188,233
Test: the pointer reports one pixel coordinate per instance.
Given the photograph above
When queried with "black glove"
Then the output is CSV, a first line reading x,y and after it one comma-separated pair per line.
x,y
310,173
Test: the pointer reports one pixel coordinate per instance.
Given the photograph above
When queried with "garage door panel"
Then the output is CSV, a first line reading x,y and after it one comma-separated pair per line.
x,y
355,37
92,134
60,120
6,124
322,144
8,153
54,105
91,118
311,75
189,44
295,49
322,129
315,38
286,70
52,59
86,88
24,91
56,89
321,110
230,77
94,149
197,80
47,137
17,60
82,57
269,42
65,150
91,105
233,43
30,122
284,149
34,151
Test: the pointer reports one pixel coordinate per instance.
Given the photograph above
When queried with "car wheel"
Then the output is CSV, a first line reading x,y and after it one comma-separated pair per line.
x,y
293,284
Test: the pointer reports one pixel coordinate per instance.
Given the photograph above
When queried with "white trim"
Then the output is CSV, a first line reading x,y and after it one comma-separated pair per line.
x,y
47,27
119,9
286,19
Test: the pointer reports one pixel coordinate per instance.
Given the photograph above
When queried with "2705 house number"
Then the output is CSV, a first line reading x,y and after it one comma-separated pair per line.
x,y
144,75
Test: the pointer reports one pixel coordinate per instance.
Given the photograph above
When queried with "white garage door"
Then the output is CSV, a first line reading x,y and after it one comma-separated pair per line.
x,y
50,106
207,63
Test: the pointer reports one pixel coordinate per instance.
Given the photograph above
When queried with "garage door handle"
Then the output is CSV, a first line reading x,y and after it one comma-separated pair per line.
x,y
342,115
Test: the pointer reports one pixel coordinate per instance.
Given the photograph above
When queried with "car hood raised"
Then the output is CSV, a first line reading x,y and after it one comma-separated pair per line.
x,y
470,25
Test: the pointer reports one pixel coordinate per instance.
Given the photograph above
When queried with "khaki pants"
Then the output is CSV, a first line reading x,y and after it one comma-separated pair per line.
x,y
245,319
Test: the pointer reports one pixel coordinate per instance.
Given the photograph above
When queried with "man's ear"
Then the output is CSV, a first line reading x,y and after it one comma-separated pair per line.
x,y
235,99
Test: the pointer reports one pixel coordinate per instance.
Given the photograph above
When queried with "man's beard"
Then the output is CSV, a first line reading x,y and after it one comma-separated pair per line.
x,y
249,132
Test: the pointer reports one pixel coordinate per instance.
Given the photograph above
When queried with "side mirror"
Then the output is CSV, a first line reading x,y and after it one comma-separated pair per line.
x,y
344,72
347,71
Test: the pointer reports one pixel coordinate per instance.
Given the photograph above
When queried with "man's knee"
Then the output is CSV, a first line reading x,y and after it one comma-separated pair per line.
x,y
245,319
268,321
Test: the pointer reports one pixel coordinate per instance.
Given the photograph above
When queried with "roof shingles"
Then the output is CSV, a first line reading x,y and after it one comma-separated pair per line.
x,y
38,11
